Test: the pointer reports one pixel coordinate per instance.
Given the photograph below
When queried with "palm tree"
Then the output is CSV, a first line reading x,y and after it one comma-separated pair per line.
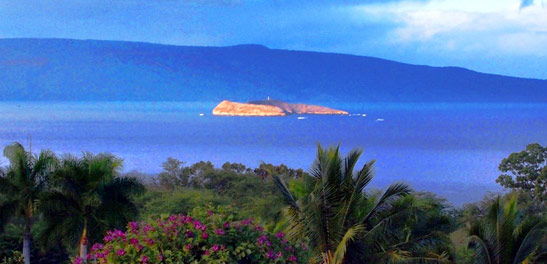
x,y
22,187
504,235
342,223
88,198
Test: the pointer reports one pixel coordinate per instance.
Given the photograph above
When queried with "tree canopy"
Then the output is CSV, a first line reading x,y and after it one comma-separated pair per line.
x,y
527,171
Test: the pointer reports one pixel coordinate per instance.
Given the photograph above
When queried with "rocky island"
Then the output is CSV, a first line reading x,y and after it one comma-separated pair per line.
x,y
271,108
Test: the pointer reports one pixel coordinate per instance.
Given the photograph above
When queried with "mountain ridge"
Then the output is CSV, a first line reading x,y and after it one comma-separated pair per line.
x,y
93,70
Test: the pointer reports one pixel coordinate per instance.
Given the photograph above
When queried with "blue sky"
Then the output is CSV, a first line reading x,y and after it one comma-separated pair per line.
x,y
498,36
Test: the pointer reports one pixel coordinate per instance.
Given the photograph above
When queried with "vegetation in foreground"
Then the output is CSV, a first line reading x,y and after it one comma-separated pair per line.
x,y
83,209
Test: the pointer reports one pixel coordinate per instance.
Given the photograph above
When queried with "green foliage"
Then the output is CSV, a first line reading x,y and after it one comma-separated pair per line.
x,y
252,191
63,204
527,172
156,202
10,240
24,183
503,235
212,235
464,255
15,258
22,188
347,225
86,198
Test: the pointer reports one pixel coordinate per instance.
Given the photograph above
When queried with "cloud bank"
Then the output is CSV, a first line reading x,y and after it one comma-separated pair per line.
x,y
493,26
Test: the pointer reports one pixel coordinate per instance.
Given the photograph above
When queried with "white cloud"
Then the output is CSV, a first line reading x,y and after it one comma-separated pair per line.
x,y
501,25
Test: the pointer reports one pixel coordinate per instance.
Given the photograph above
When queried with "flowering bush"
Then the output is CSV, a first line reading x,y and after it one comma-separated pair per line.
x,y
204,236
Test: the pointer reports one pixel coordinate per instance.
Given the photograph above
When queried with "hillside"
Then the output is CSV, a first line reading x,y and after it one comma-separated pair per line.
x,y
60,69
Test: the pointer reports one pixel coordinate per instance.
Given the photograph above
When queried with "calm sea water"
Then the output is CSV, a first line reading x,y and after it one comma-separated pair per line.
x,y
450,149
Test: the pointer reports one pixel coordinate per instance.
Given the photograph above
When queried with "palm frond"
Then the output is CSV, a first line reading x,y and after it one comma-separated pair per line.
x,y
352,234
13,152
532,240
350,161
289,198
480,248
393,192
364,176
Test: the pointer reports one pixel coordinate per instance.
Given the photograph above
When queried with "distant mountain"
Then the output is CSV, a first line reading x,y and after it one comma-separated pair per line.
x,y
62,69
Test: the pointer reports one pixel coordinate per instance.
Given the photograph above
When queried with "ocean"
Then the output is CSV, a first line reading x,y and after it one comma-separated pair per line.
x,y
450,149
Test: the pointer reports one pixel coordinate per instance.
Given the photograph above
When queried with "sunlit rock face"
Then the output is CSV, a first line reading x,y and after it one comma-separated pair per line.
x,y
271,108
227,108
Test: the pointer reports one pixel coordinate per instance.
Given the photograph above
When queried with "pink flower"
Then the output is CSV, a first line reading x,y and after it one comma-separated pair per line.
x,y
215,247
78,260
108,238
293,258
134,241
120,252
147,228
144,259
280,235
172,218
226,225
199,226
279,254
111,235
207,252
97,247
263,239
205,235
271,254
188,247
209,213
133,227
247,221
220,232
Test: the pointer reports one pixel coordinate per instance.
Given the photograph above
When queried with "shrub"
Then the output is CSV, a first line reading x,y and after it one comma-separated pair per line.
x,y
205,236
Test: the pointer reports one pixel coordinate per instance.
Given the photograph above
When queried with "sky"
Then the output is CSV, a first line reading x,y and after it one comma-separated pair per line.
x,y
506,37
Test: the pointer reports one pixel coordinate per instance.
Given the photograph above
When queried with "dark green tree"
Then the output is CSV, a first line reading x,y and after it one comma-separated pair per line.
x,y
527,171
173,174
88,197
22,188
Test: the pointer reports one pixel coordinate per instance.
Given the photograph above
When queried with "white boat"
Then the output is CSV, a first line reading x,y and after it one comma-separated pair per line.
x,y
201,114
380,120
364,115
301,117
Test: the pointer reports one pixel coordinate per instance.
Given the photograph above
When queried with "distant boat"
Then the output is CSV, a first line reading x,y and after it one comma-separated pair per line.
x,y
201,114
364,115
380,120
301,117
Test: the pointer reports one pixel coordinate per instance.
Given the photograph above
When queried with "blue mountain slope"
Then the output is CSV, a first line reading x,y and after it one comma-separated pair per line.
x,y
61,69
